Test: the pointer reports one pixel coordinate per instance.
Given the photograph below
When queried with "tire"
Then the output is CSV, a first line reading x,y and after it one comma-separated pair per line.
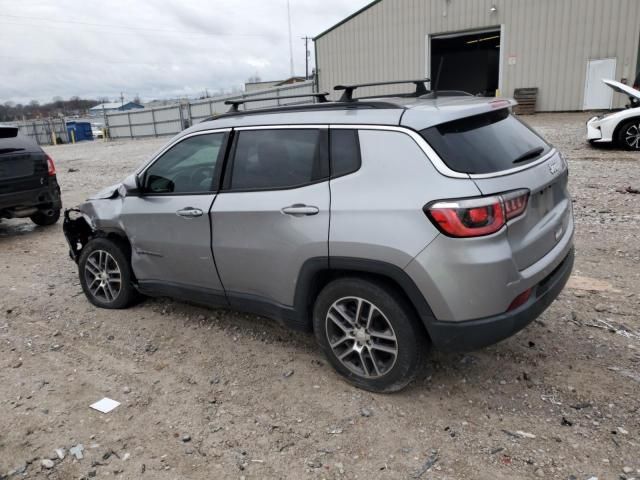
x,y
97,254
392,317
629,135
45,218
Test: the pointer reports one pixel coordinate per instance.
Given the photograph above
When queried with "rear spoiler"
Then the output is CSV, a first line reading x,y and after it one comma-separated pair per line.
x,y
421,116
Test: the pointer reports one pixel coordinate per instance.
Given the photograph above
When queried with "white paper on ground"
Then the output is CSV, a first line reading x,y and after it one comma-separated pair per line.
x,y
105,405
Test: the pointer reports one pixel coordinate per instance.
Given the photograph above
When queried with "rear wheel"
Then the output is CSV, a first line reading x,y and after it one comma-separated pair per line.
x,y
105,274
46,217
369,334
629,135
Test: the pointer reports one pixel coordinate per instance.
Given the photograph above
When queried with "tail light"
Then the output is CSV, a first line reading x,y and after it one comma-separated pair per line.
x,y
515,203
475,217
51,168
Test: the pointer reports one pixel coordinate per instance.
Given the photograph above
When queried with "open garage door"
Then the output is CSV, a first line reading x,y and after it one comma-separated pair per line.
x,y
470,61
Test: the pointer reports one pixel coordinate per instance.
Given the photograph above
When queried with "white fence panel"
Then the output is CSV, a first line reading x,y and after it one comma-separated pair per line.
x,y
173,119
168,128
118,119
141,118
120,132
165,114
202,110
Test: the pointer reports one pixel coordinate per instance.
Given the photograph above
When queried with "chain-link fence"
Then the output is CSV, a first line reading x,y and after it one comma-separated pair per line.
x,y
172,119
44,131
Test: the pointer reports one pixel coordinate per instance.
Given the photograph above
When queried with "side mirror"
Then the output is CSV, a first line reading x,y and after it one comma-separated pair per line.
x,y
130,186
159,184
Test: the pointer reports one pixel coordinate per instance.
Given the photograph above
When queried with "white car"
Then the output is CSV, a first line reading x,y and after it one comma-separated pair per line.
x,y
96,130
621,128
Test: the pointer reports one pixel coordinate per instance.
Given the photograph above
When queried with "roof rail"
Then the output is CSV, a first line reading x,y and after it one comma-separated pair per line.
x,y
347,96
307,107
322,98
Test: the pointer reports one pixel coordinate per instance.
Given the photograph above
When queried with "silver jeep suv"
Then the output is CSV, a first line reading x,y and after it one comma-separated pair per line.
x,y
385,225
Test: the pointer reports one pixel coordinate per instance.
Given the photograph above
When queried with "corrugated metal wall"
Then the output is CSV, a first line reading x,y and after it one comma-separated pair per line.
x,y
551,40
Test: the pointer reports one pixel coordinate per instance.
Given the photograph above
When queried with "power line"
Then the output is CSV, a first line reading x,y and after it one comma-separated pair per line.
x,y
129,27
75,61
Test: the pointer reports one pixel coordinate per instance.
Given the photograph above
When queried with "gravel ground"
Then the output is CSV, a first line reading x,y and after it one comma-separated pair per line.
x,y
216,394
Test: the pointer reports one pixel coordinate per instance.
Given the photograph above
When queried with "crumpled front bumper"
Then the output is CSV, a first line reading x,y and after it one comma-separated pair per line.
x,y
77,231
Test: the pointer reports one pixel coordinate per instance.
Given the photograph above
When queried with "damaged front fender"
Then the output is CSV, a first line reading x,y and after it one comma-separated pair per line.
x,y
78,230
95,218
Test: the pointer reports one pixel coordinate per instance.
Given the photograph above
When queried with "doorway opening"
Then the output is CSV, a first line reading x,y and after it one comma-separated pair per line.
x,y
470,62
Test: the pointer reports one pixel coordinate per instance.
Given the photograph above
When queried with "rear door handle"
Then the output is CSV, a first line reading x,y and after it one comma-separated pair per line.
x,y
189,212
300,209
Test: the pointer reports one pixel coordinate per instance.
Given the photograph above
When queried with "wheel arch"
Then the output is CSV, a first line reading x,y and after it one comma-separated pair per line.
x,y
621,123
80,230
316,273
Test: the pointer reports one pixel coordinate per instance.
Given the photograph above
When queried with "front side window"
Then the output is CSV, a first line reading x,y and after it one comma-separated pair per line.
x,y
281,158
188,167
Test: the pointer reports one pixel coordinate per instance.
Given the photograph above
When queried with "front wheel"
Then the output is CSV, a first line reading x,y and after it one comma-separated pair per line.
x,y
45,218
105,274
369,334
629,135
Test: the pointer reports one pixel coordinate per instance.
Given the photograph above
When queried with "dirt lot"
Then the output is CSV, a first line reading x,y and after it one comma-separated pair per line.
x,y
207,393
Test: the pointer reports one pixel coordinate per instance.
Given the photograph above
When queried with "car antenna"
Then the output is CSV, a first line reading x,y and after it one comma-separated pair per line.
x,y
437,82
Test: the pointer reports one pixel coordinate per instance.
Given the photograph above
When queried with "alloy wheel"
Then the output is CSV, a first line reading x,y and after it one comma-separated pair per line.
x,y
103,276
361,337
632,136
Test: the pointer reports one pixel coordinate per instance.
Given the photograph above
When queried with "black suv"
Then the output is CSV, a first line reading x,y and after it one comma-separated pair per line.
x,y
28,185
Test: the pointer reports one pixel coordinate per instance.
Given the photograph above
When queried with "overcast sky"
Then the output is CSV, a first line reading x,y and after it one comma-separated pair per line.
x,y
154,48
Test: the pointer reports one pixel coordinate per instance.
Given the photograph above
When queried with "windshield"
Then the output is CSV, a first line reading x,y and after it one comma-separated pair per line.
x,y
485,143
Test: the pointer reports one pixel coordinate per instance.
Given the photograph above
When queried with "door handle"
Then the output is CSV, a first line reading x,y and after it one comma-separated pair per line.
x,y
300,209
189,212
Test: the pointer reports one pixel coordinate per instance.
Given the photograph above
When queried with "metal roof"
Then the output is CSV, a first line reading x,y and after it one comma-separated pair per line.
x,y
345,20
114,106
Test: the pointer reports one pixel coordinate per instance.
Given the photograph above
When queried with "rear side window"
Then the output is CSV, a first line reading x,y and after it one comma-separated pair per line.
x,y
485,143
281,158
345,152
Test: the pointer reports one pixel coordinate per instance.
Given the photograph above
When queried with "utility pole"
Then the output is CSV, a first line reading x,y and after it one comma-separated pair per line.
x,y
307,54
121,101
290,38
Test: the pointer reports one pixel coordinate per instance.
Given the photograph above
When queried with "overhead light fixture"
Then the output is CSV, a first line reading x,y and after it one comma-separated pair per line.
x,y
493,9
483,39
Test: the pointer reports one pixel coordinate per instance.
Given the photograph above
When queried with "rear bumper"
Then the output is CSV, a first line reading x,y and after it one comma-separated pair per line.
x,y
474,334
48,195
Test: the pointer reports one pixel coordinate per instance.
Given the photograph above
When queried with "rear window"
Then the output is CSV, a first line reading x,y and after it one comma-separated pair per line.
x,y
485,143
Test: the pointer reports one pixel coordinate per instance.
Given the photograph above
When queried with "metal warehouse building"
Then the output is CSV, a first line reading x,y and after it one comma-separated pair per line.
x,y
562,47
